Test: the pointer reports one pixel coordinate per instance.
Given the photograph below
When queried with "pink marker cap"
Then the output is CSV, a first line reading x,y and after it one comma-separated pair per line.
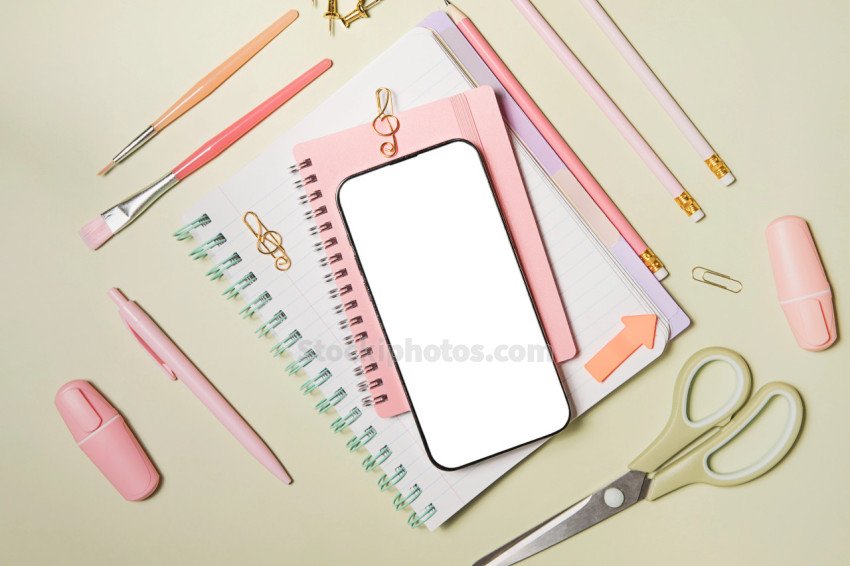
x,y
100,431
801,284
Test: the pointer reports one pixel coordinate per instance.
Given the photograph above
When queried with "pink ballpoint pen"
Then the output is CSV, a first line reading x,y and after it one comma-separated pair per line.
x,y
178,366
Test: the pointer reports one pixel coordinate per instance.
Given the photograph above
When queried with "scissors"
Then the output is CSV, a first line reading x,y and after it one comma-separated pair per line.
x,y
648,476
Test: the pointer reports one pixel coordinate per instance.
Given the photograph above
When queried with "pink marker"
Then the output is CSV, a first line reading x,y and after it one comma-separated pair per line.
x,y
178,366
100,432
801,284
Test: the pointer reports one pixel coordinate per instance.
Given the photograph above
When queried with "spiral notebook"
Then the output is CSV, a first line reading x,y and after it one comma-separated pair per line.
x,y
473,116
298,312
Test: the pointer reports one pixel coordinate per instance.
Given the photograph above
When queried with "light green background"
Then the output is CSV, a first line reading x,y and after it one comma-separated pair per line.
x,y
767,83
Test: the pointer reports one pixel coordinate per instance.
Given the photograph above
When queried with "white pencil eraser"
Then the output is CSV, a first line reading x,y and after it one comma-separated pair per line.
x,y
727,179
661,274
696,216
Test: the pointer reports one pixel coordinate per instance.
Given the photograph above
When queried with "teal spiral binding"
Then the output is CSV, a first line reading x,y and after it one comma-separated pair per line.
x,y
251,308
349,320
342,423
243,283
271,324
315,382
416,520
401,501
185,232
357,442
281,347
376,460
301,362
203,250
386,482
325,405
217,271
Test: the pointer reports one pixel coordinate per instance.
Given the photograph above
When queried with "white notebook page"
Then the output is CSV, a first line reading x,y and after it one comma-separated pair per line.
x,y
595,289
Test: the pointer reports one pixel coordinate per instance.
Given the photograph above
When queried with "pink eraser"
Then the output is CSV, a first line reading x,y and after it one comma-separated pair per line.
x,y
100,431
801,284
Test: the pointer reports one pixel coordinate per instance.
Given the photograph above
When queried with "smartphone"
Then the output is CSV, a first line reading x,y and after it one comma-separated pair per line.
x,y
441,270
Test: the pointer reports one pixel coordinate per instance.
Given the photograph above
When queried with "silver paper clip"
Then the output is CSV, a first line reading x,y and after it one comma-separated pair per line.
x,y
721,280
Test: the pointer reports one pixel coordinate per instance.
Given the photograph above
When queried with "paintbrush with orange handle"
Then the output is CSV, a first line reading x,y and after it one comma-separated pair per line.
x,y
204,87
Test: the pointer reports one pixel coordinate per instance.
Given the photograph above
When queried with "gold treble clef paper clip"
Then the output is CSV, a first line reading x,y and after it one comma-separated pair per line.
x,y
385,123
716,279
269,242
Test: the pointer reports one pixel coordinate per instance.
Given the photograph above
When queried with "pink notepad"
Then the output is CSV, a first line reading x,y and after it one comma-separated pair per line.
x,y
326,162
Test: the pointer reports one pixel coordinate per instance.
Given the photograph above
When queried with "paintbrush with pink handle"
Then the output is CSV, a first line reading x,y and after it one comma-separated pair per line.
x,y
115,219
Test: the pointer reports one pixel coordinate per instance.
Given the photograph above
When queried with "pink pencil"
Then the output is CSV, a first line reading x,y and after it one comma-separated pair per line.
x,y
99,230
714,162
555,140
680,196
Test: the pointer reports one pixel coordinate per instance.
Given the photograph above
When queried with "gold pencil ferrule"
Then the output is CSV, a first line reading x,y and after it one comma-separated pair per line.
x,y
687,203
651,261
717,166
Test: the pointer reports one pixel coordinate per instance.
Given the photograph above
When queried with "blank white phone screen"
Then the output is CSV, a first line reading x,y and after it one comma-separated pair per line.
x,y
447,286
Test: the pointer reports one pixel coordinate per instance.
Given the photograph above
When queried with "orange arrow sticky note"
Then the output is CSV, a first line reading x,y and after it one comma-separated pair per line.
x,y
639,330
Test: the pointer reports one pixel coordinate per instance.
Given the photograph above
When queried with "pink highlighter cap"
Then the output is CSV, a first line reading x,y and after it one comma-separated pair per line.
x,y
801,284
100,431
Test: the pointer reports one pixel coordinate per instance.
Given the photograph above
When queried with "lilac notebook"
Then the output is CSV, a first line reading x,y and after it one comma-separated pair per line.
x,y
441,24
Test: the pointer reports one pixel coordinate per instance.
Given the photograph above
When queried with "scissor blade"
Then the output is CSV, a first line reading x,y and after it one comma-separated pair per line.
x,y
583,515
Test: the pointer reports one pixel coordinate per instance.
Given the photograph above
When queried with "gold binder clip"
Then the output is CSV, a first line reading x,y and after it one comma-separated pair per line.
x,y
269,242
703,275
385,123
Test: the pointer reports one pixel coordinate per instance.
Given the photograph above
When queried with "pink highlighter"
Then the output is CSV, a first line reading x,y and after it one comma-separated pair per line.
x,y
100,431
801,284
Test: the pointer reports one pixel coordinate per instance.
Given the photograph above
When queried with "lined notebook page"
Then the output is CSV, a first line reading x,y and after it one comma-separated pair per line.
x,y
595,289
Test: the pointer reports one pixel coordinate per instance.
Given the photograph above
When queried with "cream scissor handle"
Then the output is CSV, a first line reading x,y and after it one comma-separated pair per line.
x,y
681,430
695,466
